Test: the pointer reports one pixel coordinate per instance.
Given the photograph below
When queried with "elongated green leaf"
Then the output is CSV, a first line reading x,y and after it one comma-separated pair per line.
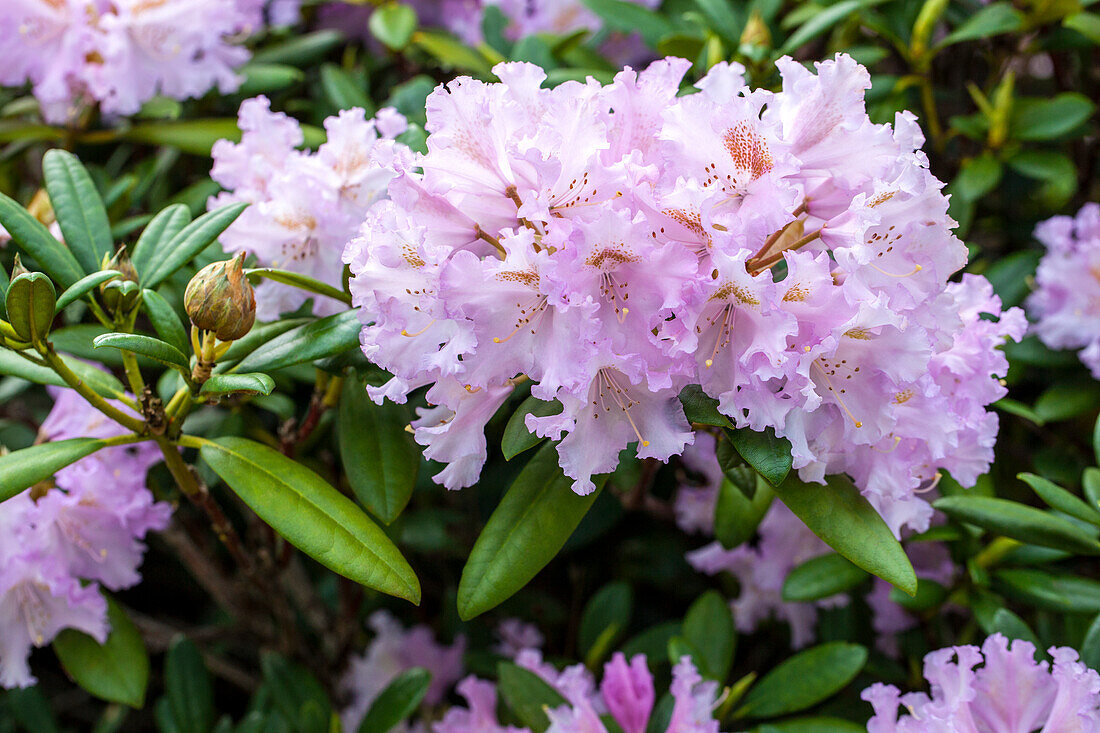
x,y
188,242
35,240
821,577
343,89
1058,498
631,17
823,21
992,20
31,303
380,457
1090,482
769,455
534,519
930,594
699,407
315,340
1050,591
846,521
311,515
804,680
734,468
260,334
13,365
83,286
1012,626
165,321
299,281
736,516
4,281
155,349
1020,522
116,671
223,384
157,233
190,136
517,438
450,52
1046,119
190,690
80,212
22,469
393,24
397,702
267,78
301,50
708,627
527,695
1090,647
604,620
815,724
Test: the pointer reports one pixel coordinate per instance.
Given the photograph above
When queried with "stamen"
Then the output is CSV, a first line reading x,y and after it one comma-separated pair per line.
x,y
916,269
891,449
931,486
524,321
836,394
617,393
413,335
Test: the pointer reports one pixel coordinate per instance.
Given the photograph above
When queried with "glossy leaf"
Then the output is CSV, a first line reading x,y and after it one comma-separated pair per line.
x,y
815,724
736,516
1058,498
165,321
189,242
190,691
804,680
397,701
1090,647
157,233
846,521
81,214
604,620
821,577
297,280
31,303
450,52
104,383
527,695
701,408
379,455
116,671
1090,482
708,627
1020,522
534,519
823,21
1046,119
343,89
769,455
314,517
1012,626
22,469
225,384
33,239
992,20
148,346
1050,591
315,340
393,24
630,17
83,286
190,136
517,438
260,334
929,595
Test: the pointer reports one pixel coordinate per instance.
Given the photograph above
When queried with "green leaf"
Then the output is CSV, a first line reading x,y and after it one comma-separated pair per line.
x,y
701,408
4,282
724,19
822,22
83,286
1068,399
116,671
30,708
148,346
393,24
225,384
534,519
1047,119
992,20
267,78
301,50
1060,593
929,595
734,468
517,438
1012,626
1020,522
804,680
822,577
736,516
1087,24
653,642
708,627
315,340
189,242
104,383
165,321
297,280
190,136
311,515
260,334
977,177
605,618
846,521
379,455
31,304
1090,482
35,240
156,235
450,52
342,89
1043,165
527,695
22,469
1090,647
769,455
397,702
1058,498
190,691
815,724
80,212
631,18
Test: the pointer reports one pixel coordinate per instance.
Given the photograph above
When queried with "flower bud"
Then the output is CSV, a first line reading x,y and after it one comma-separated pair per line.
x,y
121,292
219,298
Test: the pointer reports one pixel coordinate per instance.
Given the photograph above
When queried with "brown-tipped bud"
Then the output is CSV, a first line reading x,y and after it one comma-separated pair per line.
x,y
121,291
17,267
219,298
756,31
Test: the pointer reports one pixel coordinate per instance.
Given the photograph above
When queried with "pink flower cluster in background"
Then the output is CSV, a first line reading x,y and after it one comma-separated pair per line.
x,y
57,549
1009,692
304,205
121,53
613,244
1066,300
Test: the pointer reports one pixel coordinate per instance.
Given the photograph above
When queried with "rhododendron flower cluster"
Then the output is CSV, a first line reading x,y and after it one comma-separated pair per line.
x,y
1066,300
58,547
304,206
613,244
1009,692
626,693
121,53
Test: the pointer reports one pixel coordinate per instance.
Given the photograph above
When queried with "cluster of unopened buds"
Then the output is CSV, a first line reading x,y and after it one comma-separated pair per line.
x,y
613,244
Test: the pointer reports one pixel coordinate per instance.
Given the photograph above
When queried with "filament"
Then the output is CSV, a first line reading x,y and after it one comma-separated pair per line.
x,y
836,394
